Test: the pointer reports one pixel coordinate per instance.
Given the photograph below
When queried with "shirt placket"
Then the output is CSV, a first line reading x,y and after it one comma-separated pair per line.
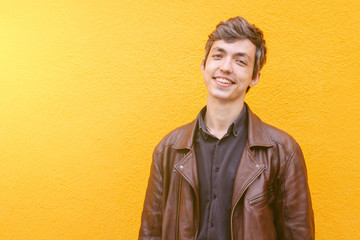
x,y
215,168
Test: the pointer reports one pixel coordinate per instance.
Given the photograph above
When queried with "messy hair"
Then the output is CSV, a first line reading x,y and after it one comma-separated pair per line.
x,y
239,28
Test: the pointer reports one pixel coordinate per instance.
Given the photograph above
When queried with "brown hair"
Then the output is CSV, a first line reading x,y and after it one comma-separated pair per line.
x,y
239,28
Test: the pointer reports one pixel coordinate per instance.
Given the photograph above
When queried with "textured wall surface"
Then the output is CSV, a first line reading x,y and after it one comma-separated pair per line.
x,y
87,89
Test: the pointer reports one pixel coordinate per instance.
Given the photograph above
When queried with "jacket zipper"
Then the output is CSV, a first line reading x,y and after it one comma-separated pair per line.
x,y
197,199
178,208
232,211
256,200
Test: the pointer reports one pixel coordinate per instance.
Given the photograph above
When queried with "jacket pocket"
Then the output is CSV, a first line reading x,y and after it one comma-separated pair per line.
x,y
261,197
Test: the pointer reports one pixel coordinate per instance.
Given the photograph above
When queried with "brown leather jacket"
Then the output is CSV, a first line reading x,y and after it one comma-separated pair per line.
x,y
271,198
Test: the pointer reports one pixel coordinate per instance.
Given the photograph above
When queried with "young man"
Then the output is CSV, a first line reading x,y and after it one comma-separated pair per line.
x,y
228,175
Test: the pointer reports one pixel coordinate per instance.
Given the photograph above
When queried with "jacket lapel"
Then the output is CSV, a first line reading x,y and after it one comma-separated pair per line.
x,y
249,167
187,166
248,170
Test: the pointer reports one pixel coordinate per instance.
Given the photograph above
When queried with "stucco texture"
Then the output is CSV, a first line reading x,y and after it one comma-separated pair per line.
x,y
88,88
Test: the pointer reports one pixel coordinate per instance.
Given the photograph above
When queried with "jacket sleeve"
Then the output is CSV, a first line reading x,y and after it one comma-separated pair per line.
x,y
151,219
294,215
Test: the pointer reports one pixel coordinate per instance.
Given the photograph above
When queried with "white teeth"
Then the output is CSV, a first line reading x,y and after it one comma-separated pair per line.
x,y
223,80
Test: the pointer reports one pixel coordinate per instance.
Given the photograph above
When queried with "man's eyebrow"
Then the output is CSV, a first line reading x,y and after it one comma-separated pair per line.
x,y
218,49
240,54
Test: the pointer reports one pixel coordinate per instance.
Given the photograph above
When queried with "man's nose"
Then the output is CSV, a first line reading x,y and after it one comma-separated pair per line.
x,y
226,65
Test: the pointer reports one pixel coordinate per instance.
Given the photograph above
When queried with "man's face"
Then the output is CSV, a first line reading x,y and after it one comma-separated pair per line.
x,y
228,70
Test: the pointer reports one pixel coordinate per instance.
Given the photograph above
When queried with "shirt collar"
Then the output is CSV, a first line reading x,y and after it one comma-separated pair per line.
x,y
202,127
258,134
236,127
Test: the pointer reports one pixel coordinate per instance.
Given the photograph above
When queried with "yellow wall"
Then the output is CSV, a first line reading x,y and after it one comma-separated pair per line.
x,y
87,89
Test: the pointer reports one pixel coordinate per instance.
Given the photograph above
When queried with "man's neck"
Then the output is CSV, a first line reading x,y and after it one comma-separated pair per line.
x,y
220,115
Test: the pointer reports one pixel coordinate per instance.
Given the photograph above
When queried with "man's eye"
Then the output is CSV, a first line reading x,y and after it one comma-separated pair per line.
x,y
241,62
217,56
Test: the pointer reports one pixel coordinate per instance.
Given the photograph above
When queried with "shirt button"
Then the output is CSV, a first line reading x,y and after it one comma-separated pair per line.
x,y
217,169
214,196
181,166
211,224
257,165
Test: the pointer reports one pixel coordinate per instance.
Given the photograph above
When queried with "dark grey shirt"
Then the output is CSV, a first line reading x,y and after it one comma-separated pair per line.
x,y
217,161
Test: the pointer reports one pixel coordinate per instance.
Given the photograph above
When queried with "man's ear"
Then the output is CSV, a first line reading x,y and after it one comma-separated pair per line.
x,y
255,80
202,65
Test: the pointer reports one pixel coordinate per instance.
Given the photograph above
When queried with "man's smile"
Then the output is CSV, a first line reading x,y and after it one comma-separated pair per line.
x,y
223,80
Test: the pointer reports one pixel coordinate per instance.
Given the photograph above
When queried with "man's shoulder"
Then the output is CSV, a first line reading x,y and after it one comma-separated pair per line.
x,y
281,137
174,136
271,135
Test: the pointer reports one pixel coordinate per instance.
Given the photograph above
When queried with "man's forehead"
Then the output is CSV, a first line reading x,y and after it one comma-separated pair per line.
x,y
237,47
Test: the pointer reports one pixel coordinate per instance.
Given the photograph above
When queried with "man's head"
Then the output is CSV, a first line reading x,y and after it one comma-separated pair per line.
x,y
235,29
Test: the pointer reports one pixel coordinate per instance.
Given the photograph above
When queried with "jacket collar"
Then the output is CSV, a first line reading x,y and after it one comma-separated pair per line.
x,y
257,134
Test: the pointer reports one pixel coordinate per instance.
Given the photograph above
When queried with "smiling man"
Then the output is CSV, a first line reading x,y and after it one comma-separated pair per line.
x,y
228,175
